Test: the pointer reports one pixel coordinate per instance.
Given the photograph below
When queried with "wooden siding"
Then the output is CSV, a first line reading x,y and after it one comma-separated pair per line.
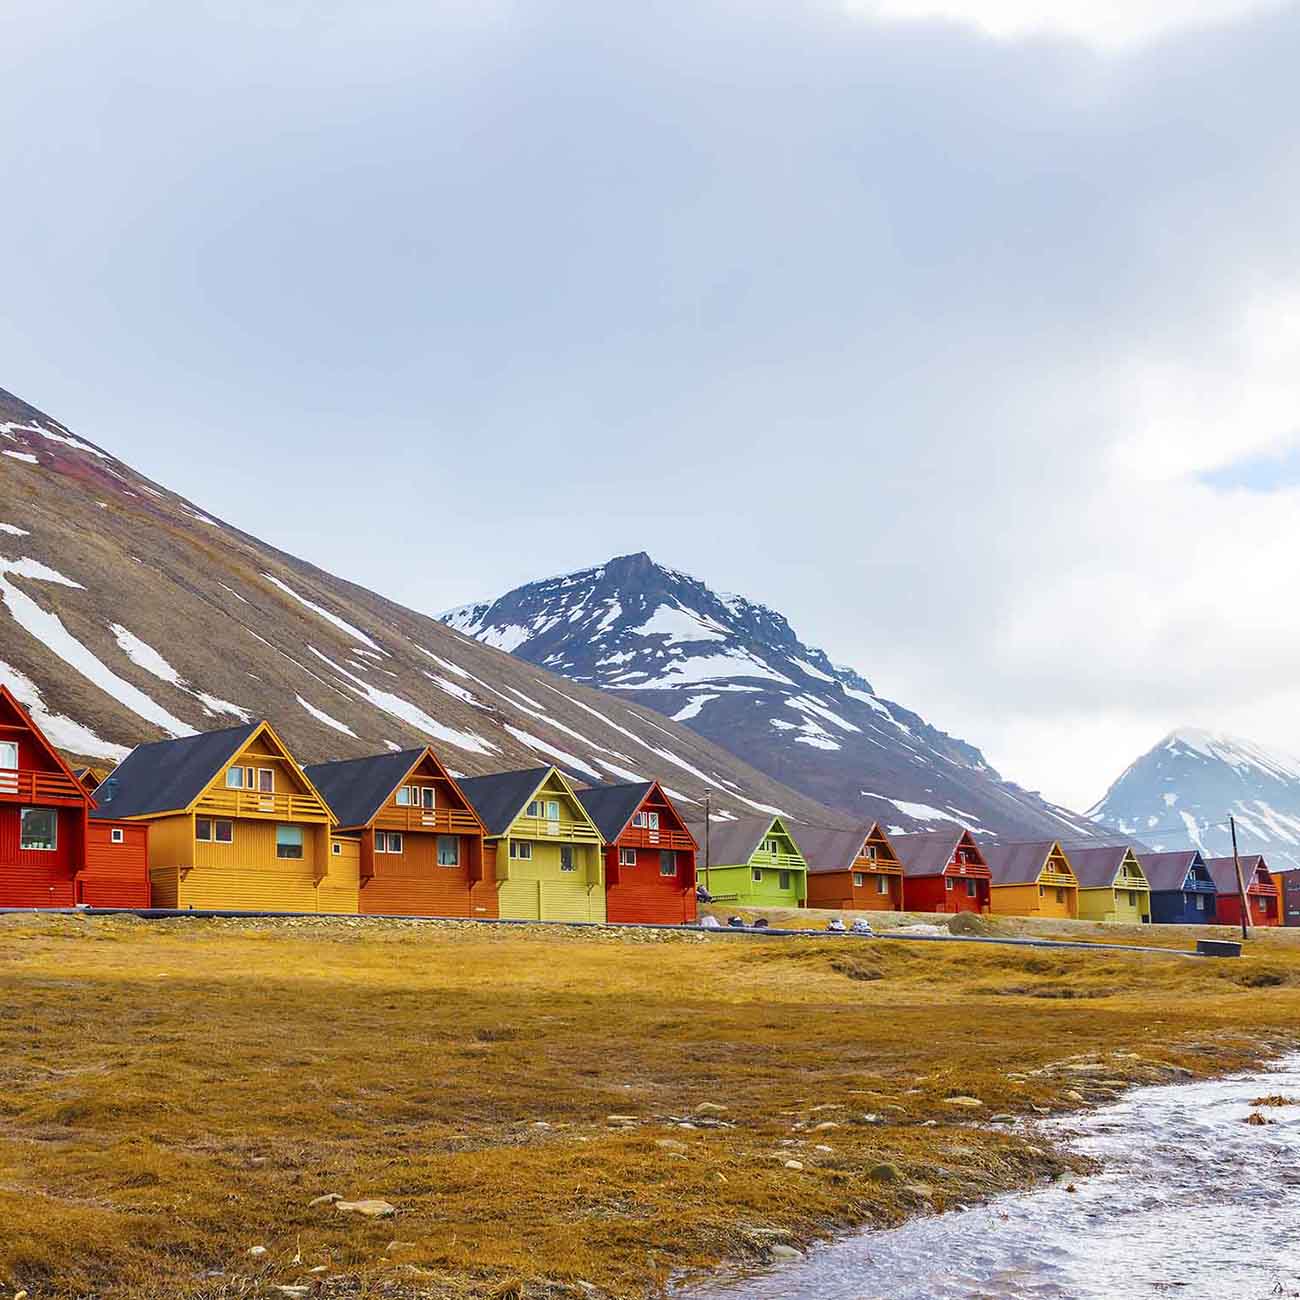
x,y
116,875
40,877
248,875
538,890
411,883
735,884
948,893
837,890
1056,896
639,893
337,891
1116,904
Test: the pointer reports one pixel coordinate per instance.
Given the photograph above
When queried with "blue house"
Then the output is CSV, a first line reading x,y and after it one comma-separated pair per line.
x,y
1182,889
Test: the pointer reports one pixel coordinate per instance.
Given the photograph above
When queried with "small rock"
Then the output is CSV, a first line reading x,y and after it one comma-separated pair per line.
x,y
971,1102
1077,1097
824,1126
780,1251
885,1173
394,1246
794,1164
257,1251
294,1290
710,1108
621,1119
828,1151
1002,1119
328,1199
371,1209
319,1269
671,1144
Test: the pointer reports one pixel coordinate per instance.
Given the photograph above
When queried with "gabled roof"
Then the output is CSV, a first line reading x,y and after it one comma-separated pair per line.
x,y
1019,864
733,843
927,853
8,697
169,775
830,848
500,798
356,788
1223,871
611,806
1097,868
1165,871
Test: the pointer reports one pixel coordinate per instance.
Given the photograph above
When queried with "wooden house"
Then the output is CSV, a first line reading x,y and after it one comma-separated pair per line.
x,y
1033,878
752,861
1182,890
51,855
90,777
854,870
1262,895
234,824
649,854
420,843
1112,886
541,846
943,871
1288,893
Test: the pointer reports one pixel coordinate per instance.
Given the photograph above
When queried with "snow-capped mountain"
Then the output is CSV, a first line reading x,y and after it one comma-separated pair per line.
x,y
736,672
128,613
1181,793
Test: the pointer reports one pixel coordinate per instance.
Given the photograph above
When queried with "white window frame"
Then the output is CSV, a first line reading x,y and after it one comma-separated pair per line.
x,y
859,879
404,796
268,772
12,747
428,797
627,857
566,850
234,778
336,849
639,819
401,844
211,836
668,859
652,820
555,816
517,850
301,846
756,874
948,883
437,851
117,835
217,824
52,846
536,808
882,884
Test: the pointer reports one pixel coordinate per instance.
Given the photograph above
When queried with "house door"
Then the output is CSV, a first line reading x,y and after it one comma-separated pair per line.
x,y
8,767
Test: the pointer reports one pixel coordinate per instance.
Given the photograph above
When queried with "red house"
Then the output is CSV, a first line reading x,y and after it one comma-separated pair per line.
x,y
1262,894
51,854
649,854
943,871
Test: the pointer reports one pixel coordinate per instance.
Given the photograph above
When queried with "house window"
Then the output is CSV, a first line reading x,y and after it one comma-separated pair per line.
x,y
203,829
667,863
859,879
638,819
1060,895
404,796
234,778
336,848
627,857
427,796
652,820
521,850
566,858
882,884
288,841
1200,902
783,880
265,780
1042,892
117,835
870,851
772,846
947,883
39,829
224,832
9,755
448,851
758,875
972,889
552,810
534,808
394,842
1132,898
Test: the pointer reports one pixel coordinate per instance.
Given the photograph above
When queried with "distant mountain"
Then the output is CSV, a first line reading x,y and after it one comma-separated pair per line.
x,y
1180,794
128,613
736,672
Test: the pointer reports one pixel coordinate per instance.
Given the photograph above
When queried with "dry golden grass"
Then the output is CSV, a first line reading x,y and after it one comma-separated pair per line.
x,y
175,1093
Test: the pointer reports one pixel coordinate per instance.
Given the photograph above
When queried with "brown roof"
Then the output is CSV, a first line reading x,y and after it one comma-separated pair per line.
x,y
927,853
731,843
1018,864
1096,868
1168,871
828,848
1224,871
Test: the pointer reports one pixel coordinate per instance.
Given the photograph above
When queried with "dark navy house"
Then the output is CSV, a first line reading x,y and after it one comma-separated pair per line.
x,y
1182,889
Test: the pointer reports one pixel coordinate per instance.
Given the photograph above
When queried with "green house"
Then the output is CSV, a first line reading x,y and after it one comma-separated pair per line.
x,y
753,861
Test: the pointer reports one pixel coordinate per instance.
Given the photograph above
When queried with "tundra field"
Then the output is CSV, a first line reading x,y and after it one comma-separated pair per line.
x,y
549,1112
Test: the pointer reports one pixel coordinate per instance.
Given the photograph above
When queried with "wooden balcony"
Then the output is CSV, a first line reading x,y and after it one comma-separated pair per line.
x,y
1059,879
778,862
439,821
538,828
878,867
23,785
273,807
642,837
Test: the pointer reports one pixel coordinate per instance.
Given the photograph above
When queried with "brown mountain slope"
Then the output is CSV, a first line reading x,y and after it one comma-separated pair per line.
x,y
128,614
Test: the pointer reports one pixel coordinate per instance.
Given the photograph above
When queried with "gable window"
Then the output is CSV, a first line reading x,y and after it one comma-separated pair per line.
x,y
667,863
117,835
39,829
859,879
265,780
521,850
9,762
627,857
972,889
773,847
882,884
758,875
652,820
288,841
638,819
404,796
869,852
783,880
552,810
566,858
534,808
448,851
427,796
234,778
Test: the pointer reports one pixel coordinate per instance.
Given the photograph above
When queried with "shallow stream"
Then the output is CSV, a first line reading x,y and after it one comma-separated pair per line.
x,y
1191,1201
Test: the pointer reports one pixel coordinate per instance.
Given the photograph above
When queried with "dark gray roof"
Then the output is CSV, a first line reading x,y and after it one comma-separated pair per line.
x,y
356,788
1017,864
500,798
611,806
1165,871
1224,871
732,843
829,848
927,853
168,774
1096,868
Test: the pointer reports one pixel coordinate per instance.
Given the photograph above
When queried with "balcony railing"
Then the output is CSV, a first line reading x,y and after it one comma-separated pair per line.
x,y
446,821
642,837
251,803
778,861
538,828
24,785
1059,879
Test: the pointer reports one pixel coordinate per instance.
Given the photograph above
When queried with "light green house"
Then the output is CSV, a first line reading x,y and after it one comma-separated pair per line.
x,y
1112,885
753,861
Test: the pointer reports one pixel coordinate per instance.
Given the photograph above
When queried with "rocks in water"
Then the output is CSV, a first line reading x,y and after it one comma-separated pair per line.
x,y
371,1209
780,1252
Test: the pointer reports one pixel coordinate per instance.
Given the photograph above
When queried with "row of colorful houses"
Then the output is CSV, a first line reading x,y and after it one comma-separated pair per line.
x,y
229,820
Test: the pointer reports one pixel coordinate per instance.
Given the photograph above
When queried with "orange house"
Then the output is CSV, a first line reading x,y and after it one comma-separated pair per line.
x,y
421,840
855,870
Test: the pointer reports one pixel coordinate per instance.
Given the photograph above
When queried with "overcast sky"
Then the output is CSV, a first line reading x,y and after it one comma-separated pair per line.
x,y
967,337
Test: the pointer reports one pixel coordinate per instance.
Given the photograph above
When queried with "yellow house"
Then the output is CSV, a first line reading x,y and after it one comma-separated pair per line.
x,y
1033,879
541,846
234,825
1112,885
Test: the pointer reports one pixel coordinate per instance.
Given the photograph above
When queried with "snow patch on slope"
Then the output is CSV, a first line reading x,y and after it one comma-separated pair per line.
x,y
355,633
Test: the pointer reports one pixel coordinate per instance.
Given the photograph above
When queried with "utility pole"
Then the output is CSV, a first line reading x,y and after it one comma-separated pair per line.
x,y
1241,882
708,835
